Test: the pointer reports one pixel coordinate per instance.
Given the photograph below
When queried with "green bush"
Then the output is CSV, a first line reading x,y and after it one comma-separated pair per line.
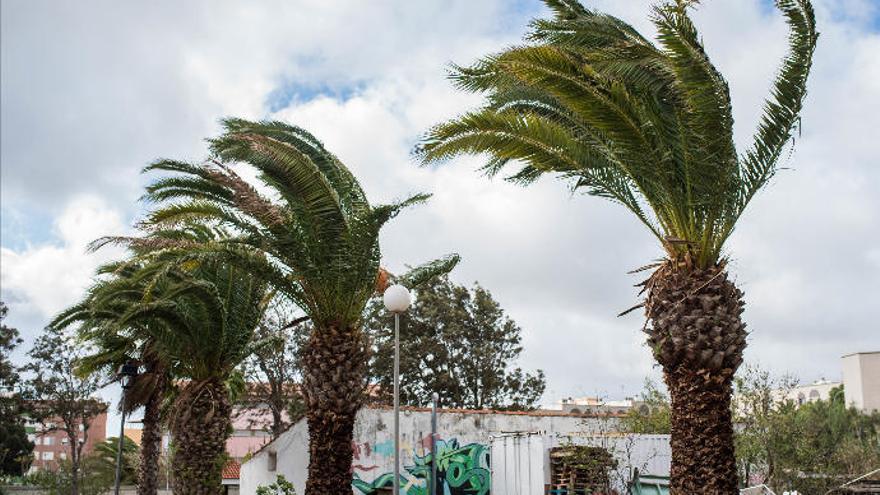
x,y
280,487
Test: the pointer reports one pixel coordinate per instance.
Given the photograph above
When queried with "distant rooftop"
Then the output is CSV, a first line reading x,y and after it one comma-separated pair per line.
x,y
859,353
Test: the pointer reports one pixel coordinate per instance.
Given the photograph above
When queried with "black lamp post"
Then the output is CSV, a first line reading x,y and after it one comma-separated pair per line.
x,y
126,374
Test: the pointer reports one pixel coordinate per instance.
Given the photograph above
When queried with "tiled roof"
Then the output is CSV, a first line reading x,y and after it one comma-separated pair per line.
x,y
231,470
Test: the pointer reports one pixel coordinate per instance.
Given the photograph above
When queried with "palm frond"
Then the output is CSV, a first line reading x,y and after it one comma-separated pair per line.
x,y
592,101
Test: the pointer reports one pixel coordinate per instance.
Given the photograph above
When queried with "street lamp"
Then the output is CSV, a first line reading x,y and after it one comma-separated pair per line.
x,y
126,374
397,300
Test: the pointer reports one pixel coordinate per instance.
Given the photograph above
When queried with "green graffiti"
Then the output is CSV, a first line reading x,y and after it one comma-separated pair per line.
x,y
461,470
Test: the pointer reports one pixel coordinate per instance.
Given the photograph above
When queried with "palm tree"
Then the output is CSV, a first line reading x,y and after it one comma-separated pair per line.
x,y
648,126
316,242
116,294
209,313
201,317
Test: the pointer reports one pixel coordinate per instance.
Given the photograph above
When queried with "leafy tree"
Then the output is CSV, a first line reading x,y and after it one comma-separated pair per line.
x,y
316,243
810,448
652,416
280,487
272,373
97,472
59,398
458,343
15,448
648,126
761,414
832,444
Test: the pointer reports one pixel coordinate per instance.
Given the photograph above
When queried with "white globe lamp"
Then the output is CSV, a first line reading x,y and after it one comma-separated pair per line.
x,y
396,298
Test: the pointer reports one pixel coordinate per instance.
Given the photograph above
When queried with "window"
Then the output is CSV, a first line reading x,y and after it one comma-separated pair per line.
x,y
48,456
64,441
48,440
273,461
814,395
63,455
801,399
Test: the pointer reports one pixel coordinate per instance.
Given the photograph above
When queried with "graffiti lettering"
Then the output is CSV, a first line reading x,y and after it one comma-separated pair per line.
x,y
461,470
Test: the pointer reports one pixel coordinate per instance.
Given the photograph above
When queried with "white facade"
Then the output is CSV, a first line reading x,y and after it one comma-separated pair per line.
x,y
800,395
463,448
597,405
861,378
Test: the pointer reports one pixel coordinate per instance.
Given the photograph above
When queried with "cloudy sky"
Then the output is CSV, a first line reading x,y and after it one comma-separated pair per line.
x,y
94,90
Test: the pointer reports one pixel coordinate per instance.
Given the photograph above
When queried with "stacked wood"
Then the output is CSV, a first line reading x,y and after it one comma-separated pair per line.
x,y
580,470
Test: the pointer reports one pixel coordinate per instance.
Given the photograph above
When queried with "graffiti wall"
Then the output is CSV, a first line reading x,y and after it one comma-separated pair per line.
x,y
463,463
461,470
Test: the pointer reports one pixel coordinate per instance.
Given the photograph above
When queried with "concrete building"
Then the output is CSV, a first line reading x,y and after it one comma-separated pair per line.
x,y
861,384
463,448
861,378
802,394
597,405
52,446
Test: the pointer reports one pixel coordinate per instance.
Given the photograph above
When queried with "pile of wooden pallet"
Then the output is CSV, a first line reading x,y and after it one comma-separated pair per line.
x,y
580,470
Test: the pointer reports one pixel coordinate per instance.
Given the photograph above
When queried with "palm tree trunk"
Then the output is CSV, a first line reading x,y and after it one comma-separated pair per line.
x,y
200,427
698,337
334,378
151,440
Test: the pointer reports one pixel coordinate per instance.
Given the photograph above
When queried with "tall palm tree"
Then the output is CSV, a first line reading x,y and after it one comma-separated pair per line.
x,y
649,126
201,317
316,242
118,292
210,313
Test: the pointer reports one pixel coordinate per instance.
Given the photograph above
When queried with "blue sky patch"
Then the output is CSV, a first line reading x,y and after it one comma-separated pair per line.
x,y
18,229
292,93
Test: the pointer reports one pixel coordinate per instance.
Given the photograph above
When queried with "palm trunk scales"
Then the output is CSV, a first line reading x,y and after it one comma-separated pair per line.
x,y
697,335
334,381
200,426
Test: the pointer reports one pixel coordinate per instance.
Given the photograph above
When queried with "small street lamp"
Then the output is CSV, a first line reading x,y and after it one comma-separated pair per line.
x,y
126,374
397,300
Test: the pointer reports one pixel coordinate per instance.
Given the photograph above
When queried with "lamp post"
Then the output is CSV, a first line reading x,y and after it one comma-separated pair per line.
x,y
432,486
397,300
126,374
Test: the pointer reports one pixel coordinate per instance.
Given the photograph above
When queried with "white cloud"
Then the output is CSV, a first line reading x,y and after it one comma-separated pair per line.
x,y
82,115
39,281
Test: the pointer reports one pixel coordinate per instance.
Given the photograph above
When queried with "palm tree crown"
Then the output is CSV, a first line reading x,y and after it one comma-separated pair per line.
x,y
648,126
316,239
200,314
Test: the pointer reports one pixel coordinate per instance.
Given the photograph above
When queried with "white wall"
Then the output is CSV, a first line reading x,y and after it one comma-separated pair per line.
x,y
861,380
464,435
291,449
